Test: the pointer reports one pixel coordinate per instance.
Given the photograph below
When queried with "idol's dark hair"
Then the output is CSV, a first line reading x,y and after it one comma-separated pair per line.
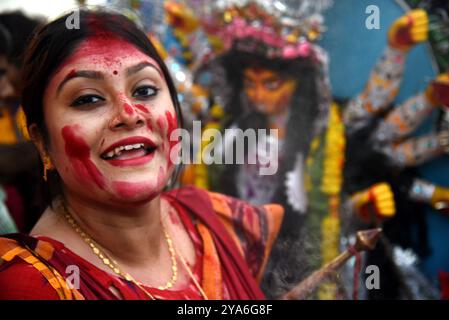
x,y
55,42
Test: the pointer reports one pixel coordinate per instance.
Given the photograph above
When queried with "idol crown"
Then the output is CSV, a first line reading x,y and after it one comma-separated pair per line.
x,y
270,28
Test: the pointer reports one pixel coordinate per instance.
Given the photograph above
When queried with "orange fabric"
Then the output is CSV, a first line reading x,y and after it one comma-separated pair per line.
x,y
44,249
7,128
250,225
21,123
212,280
225,215
10,249
275,215
8,125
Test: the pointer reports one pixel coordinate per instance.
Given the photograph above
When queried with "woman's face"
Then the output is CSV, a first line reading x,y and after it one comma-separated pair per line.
x,y
109,116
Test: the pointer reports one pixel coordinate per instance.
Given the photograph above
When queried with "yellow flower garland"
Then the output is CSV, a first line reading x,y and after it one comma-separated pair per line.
x,y
334,157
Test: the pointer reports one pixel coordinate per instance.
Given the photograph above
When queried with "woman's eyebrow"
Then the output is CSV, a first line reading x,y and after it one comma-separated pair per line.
x,y
80,74
142,65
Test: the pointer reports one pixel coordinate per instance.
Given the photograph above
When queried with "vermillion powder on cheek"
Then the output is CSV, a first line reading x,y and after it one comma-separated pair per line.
x,y
78,153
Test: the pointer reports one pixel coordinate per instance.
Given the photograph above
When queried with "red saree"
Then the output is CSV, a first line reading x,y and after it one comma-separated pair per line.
x,y
232,240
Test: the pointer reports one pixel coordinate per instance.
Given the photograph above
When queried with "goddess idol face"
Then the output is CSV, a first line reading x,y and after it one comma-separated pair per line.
x,y
267,91
109,116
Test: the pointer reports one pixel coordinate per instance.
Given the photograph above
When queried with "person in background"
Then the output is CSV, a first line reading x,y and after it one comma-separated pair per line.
x,y
7,224
17,156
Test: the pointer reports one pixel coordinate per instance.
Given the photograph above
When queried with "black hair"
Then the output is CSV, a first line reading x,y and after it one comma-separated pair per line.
x,y
54,43
5,41
19,29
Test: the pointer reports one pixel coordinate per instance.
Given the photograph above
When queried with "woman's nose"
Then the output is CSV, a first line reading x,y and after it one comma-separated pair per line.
x,y
126,116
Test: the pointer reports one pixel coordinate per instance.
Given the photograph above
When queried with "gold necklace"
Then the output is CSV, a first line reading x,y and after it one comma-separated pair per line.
x,y
111,263
186,266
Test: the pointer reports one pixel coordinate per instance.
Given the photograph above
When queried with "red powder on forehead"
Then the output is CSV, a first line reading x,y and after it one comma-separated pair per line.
x,y
105,52
79,155
142,108
128,109
115,72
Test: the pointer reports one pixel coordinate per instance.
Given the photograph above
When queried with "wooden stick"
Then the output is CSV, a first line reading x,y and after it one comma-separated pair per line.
x,y
366,240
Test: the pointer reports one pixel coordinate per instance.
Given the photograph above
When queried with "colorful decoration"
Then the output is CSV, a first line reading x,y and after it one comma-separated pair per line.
x,y
438,12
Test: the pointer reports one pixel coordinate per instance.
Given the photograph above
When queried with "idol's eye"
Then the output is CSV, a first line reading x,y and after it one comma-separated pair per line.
x,y
273,84
87,99
145,92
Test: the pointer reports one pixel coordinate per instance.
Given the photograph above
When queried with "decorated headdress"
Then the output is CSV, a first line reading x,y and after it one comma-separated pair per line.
x,y
284,30
275,29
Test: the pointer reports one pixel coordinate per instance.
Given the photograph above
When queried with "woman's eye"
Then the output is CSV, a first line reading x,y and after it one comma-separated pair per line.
x,y
87,99
145,92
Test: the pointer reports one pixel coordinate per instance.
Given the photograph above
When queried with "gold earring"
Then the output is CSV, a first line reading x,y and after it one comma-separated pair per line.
x,y
47,166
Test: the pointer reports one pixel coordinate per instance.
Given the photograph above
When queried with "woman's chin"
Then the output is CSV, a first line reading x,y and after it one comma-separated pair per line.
x,y
135,193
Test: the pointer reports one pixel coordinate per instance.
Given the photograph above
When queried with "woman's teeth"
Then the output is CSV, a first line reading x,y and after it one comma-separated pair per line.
x,y
118,151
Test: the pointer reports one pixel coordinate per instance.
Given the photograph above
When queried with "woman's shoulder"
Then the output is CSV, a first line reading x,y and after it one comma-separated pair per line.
x,y
20,277
253,228
222,203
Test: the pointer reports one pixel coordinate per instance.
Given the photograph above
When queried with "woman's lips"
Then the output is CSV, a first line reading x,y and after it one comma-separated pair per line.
x,y
137,161
131,151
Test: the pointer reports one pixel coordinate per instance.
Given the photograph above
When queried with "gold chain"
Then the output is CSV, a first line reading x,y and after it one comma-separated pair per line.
x,y
186,266
111,263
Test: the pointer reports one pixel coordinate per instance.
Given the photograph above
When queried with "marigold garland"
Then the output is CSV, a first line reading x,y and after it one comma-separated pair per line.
x,y
334,156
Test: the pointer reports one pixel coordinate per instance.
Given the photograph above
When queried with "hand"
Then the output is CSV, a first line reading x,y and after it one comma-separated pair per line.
x,y
409,30
437,91
378,199
440,198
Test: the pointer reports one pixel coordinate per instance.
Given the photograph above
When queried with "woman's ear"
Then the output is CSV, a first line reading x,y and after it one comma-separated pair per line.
x,y
38,140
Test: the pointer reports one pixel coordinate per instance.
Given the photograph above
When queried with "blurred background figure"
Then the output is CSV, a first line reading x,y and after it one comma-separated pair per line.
x,y
18,158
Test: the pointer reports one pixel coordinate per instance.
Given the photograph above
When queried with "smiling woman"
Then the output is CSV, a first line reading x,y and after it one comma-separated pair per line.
x,y
100,107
